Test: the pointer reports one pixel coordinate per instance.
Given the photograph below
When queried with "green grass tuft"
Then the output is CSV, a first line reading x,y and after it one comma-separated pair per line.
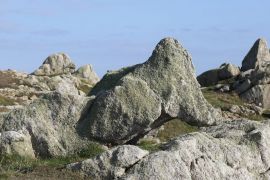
x,y
175,128
149,145
92,150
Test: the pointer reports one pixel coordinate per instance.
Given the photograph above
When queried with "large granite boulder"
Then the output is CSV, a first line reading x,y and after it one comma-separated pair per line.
x,y
51,122
134,100
213,76
236,150
257,55
56,64
111,164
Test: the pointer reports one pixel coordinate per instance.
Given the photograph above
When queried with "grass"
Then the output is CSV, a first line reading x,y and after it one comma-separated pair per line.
x,y
21,166
4,101
149,145
172,129
175,128
224,101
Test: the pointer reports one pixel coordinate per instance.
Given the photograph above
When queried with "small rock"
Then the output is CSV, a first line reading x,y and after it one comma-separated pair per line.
x,y
111,164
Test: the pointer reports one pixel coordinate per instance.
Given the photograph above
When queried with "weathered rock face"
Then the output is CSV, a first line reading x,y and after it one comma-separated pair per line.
x,y
56,64
111,164
259,94
228,71
257,55
87,72
233,150
134,100
253,85
212,77
51,122
208,78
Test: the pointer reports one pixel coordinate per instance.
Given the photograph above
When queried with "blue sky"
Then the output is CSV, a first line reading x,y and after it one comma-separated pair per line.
x,y
115,33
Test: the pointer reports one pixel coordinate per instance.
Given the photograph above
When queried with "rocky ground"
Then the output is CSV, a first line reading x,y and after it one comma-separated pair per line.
x,y
154,120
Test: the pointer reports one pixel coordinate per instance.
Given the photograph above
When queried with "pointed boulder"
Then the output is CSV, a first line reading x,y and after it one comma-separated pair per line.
x,y
257,55
134,100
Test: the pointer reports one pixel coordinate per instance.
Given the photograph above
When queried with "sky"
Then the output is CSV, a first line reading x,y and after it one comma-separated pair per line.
x,y
110,34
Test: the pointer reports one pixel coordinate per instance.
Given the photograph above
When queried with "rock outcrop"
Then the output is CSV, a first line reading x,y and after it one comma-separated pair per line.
x,y
253,84
111,164
56,64
87,72
51,122
137,99
213,76
20,89
232,150
258,54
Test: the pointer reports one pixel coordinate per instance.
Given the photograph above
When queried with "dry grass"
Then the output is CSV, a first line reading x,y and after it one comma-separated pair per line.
x,y
4,101
224,101
8,79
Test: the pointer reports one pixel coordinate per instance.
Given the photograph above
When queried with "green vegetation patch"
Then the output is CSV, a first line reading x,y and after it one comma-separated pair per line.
x,y
222,100
149,145
175,128
15,165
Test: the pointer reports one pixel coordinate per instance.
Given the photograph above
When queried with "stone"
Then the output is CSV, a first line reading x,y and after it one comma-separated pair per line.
x,y
87,72
258,95
132,101
236,150
18,143
111,164
51,122
213,76
56,64
258,54
228,71
241,88
208,78
225,88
